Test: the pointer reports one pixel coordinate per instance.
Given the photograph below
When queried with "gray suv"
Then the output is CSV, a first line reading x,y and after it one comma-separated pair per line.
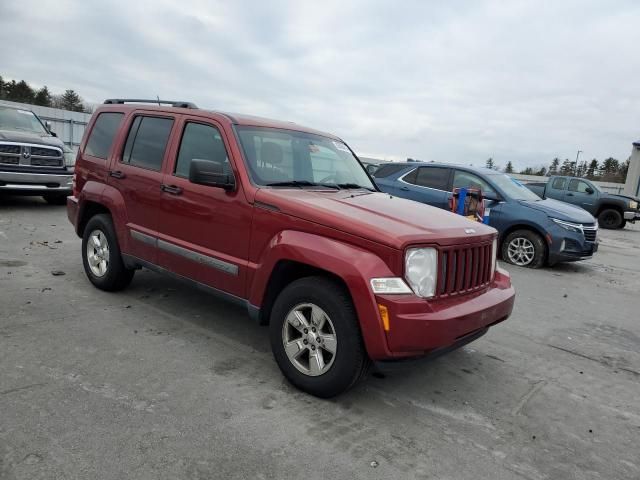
x,y
32,160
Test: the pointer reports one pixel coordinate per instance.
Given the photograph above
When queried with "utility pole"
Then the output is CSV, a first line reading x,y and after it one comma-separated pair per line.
x,y
575,171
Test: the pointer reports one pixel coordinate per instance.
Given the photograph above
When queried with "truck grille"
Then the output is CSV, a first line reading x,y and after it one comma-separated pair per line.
x,y
15,149
464,269
590,232
9,159
45,162
45,152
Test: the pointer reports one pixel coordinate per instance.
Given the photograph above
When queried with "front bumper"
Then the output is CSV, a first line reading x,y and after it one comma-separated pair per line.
x,y
567,246
632,215
418,326
36,183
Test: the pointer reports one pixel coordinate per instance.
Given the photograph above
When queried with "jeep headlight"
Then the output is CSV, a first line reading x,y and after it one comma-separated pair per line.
x,y
633,205
69,157
421,270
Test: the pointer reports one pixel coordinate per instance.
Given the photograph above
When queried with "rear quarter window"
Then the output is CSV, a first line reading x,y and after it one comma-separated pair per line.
x,y
388,170
102,134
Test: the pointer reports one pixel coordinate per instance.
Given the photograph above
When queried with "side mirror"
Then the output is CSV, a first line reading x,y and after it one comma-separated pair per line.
x,y
491,196
207,172
47,124
589,190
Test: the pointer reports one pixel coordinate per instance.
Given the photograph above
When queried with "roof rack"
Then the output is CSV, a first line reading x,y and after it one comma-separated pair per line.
x,y
173,103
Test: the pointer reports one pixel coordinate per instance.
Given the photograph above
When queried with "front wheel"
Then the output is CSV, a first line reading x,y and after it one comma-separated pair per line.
x,y
524,248
315,337
611,219
101,255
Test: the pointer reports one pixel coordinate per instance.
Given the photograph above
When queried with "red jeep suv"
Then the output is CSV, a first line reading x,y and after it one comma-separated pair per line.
x,y
285,221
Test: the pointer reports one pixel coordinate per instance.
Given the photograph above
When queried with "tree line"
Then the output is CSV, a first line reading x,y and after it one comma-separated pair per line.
x,y
22,92
608,170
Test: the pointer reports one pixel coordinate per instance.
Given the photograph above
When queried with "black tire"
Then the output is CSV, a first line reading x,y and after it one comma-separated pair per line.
x,y
116,276
539,246
55,198
611,219
350,363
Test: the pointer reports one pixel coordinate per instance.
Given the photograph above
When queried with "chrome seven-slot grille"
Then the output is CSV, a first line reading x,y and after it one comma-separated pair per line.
x,y
463,269
30,155
590,232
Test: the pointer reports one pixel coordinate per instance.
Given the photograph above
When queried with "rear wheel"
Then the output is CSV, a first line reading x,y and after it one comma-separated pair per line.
x,y
315,337
524,248
55,198
611,219
101,255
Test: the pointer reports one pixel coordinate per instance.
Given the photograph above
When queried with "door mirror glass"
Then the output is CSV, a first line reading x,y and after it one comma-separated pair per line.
x,y
589,190
208,172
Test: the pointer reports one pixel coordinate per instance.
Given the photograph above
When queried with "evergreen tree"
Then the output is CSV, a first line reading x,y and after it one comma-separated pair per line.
x,y
509,167
553,168
566,168
592,170
70,100
19,92
581,169
489,163
542,172
43,97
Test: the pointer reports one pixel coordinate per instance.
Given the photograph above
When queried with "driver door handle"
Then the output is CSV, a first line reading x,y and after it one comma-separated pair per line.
x,y
172,189
116,174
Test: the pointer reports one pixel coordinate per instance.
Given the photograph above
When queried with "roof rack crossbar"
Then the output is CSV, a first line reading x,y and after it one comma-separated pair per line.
x,y
173,103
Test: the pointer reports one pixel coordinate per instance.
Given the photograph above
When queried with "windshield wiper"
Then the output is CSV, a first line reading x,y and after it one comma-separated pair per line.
x,y
300,183
354,185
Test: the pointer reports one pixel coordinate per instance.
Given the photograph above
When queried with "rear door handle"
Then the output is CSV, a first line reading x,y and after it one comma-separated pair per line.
x,y
404,189
172,189
116,174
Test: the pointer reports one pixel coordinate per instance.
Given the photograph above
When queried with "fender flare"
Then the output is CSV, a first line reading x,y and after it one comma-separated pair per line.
x,y
354,265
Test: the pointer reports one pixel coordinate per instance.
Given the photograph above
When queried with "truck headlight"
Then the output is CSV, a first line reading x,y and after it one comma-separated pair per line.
x,y
421,270
633,205
572,227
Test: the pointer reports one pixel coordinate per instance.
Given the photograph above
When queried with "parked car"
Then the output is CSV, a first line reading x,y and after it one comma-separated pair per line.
x,y
532,232
372,164
283,220
32,160
612,211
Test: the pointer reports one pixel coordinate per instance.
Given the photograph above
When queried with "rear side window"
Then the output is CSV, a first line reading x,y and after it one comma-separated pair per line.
x,y
430,177
388,170
102,134
559,183
201,142
147,142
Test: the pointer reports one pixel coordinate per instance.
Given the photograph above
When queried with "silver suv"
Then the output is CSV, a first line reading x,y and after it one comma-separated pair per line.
x,y
32,160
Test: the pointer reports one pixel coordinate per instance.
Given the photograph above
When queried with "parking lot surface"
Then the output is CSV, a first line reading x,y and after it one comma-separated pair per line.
x,y
163,381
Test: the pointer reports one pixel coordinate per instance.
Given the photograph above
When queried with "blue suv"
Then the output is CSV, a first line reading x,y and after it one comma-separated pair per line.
x,y
533,232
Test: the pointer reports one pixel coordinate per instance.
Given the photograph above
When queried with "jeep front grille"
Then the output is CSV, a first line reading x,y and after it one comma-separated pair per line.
x,y
463,269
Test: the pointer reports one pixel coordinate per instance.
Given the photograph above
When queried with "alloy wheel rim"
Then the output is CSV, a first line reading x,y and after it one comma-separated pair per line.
x,y
309,339
521,251
98,253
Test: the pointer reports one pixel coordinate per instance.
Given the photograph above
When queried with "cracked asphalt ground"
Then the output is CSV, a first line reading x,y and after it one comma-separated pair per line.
x,y
165,382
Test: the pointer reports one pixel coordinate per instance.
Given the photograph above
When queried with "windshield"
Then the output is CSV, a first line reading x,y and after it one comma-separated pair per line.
x,y
513,188
20,121
288,158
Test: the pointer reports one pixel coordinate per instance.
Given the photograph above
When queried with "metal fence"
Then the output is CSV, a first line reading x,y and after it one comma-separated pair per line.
x,y
68,126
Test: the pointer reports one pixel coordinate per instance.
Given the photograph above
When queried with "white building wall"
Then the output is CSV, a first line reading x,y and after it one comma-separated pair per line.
x,y
632,185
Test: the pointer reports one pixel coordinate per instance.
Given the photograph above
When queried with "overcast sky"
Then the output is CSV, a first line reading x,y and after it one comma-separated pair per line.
x,y
461,82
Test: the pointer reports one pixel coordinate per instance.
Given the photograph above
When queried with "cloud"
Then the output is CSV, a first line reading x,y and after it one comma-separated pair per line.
x,y
459,82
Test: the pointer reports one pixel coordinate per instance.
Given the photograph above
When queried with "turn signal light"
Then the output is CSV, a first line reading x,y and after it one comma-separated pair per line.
x,y
384,315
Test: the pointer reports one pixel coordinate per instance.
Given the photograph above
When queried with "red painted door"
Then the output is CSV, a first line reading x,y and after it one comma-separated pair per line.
x,y
204,231
137,173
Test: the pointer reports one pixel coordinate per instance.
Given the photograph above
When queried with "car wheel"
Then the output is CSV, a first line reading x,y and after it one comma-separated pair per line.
x,y
101,255
315,337
524,248
55,199
610,219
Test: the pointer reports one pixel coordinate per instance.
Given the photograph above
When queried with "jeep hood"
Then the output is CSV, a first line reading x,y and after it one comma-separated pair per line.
x,y
376,216
30,137
560,210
